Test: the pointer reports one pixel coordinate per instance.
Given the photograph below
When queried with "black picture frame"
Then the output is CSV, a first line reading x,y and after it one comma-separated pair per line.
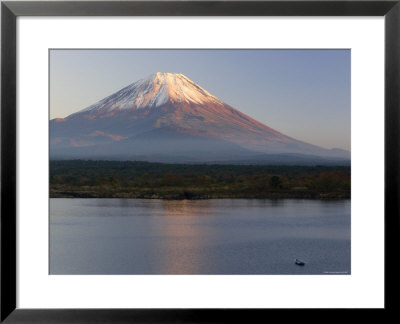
x,y
11,10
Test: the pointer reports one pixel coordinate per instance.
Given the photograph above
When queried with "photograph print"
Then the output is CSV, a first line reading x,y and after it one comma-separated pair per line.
x,y
200,161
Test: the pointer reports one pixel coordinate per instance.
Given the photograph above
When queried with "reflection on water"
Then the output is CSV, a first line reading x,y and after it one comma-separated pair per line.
x,y
186,237
221,236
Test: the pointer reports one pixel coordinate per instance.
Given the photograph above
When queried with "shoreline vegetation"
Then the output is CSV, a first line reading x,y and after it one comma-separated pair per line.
x,y
131,179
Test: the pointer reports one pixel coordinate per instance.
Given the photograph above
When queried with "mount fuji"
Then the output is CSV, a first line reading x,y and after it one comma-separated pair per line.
x,y
169,118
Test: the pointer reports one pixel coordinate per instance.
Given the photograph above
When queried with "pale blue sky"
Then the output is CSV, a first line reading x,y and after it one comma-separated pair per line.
x,y
301,93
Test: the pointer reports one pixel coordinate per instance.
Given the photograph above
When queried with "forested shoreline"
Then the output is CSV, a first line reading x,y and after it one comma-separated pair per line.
x,y
130,179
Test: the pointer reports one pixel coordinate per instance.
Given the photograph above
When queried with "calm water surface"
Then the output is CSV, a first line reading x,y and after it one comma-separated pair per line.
x,y
218,236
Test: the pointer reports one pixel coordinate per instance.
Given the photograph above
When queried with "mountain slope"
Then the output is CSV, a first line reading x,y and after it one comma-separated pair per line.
x,y
171,115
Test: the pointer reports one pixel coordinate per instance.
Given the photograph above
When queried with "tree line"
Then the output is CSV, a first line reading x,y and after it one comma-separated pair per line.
x,y
129,179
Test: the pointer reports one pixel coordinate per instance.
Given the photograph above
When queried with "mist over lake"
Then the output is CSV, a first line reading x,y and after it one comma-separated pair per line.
x,y
215,236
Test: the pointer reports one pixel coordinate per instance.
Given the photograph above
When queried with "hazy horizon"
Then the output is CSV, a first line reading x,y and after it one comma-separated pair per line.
x,y
304,94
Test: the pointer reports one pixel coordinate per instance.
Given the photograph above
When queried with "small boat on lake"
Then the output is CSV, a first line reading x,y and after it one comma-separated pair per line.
x,y
299,262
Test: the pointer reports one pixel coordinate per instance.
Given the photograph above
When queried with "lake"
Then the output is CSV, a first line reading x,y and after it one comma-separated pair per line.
x,y
216,236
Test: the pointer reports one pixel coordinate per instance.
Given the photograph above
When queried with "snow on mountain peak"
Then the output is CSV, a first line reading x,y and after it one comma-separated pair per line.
x,y
154,91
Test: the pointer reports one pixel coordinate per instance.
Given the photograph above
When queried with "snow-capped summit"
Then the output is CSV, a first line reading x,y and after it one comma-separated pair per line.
x,y
154,91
